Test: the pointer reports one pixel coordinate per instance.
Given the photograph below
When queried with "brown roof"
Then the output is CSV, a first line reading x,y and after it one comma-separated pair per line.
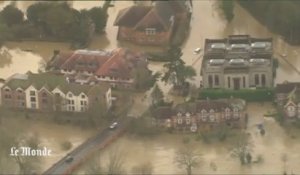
x,y
130,16
163,112
119,63
286,87
216,105
158,16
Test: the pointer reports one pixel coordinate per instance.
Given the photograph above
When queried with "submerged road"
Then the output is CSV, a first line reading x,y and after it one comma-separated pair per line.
x,y
85,150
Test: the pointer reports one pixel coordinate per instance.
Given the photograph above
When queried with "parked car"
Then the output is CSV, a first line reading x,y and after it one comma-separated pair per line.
x,y
197,50
114,125
69,159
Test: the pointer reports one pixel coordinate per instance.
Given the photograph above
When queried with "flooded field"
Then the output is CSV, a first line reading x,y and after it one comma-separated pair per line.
x,y
51,135
160,151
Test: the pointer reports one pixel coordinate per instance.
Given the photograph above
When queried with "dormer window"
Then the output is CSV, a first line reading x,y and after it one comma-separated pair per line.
x,y
7,90
82,96
70,95
150,31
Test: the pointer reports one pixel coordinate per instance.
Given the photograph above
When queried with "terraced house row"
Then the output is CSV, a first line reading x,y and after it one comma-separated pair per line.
x,y
53,92
202,115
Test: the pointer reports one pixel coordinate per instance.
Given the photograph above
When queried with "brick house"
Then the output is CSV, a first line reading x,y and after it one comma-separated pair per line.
x,y
51,92
204,115
151,25
288,99
116,67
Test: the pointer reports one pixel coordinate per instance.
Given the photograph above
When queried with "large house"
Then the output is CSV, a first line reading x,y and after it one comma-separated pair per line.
x,y
151,25
238,62
202,115
51,92
288,99
116,68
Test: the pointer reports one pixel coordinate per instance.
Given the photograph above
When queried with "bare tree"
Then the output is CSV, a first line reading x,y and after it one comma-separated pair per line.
x,y
242,148
95,167
145,168
115,162
187,158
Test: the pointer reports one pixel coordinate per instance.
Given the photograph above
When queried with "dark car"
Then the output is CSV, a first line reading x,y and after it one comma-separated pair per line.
x,y
69,159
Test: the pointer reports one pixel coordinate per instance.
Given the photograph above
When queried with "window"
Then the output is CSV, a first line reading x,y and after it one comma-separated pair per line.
x,y
291,111
19,91
33,105
227,113
83,103
44,101
203,115
256,79
57,95
210,81
236,113
212,115
82,96
7,90
70,95
150,31
32,93
244,82
263,80
228,81
44,94
32,99
217,80
179,120
188,120
7,96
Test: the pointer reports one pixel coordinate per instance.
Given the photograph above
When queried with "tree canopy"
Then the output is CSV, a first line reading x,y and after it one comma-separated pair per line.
x,y
12,15
281,17
177,72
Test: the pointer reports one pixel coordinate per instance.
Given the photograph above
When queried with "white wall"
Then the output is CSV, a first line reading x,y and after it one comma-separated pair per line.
x,y
27,96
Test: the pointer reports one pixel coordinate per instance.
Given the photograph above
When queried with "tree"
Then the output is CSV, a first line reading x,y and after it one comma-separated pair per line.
x,y
227,6
187,158
177,72
157,95
143,78
145,168
99,18
12,15
116,161
242,148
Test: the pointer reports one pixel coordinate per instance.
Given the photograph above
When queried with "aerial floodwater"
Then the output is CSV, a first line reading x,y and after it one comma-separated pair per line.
x,y
206,22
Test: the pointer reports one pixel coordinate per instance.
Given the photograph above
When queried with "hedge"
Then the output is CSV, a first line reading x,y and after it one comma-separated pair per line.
x,y
252,95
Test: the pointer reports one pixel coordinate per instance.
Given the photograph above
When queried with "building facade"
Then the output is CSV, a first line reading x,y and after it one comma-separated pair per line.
x,y
288,99
151,25
115,68
50,92
203,115
238,62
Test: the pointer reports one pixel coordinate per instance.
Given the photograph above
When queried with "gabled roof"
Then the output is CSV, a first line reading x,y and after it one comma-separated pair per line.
x,y
159,16
163,112
130,16
118,63
286,87
52,81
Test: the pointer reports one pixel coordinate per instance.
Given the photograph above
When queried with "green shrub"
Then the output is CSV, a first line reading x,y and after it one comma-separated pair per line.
x,y
253,95
66,145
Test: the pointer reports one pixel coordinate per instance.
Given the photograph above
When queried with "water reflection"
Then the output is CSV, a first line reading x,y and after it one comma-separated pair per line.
x,y
5,58
20,62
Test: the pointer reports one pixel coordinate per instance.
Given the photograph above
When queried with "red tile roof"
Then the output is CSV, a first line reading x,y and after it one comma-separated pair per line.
x,y
117,63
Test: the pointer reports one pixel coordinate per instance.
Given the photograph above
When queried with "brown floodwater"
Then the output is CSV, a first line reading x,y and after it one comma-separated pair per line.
x,y
207,22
